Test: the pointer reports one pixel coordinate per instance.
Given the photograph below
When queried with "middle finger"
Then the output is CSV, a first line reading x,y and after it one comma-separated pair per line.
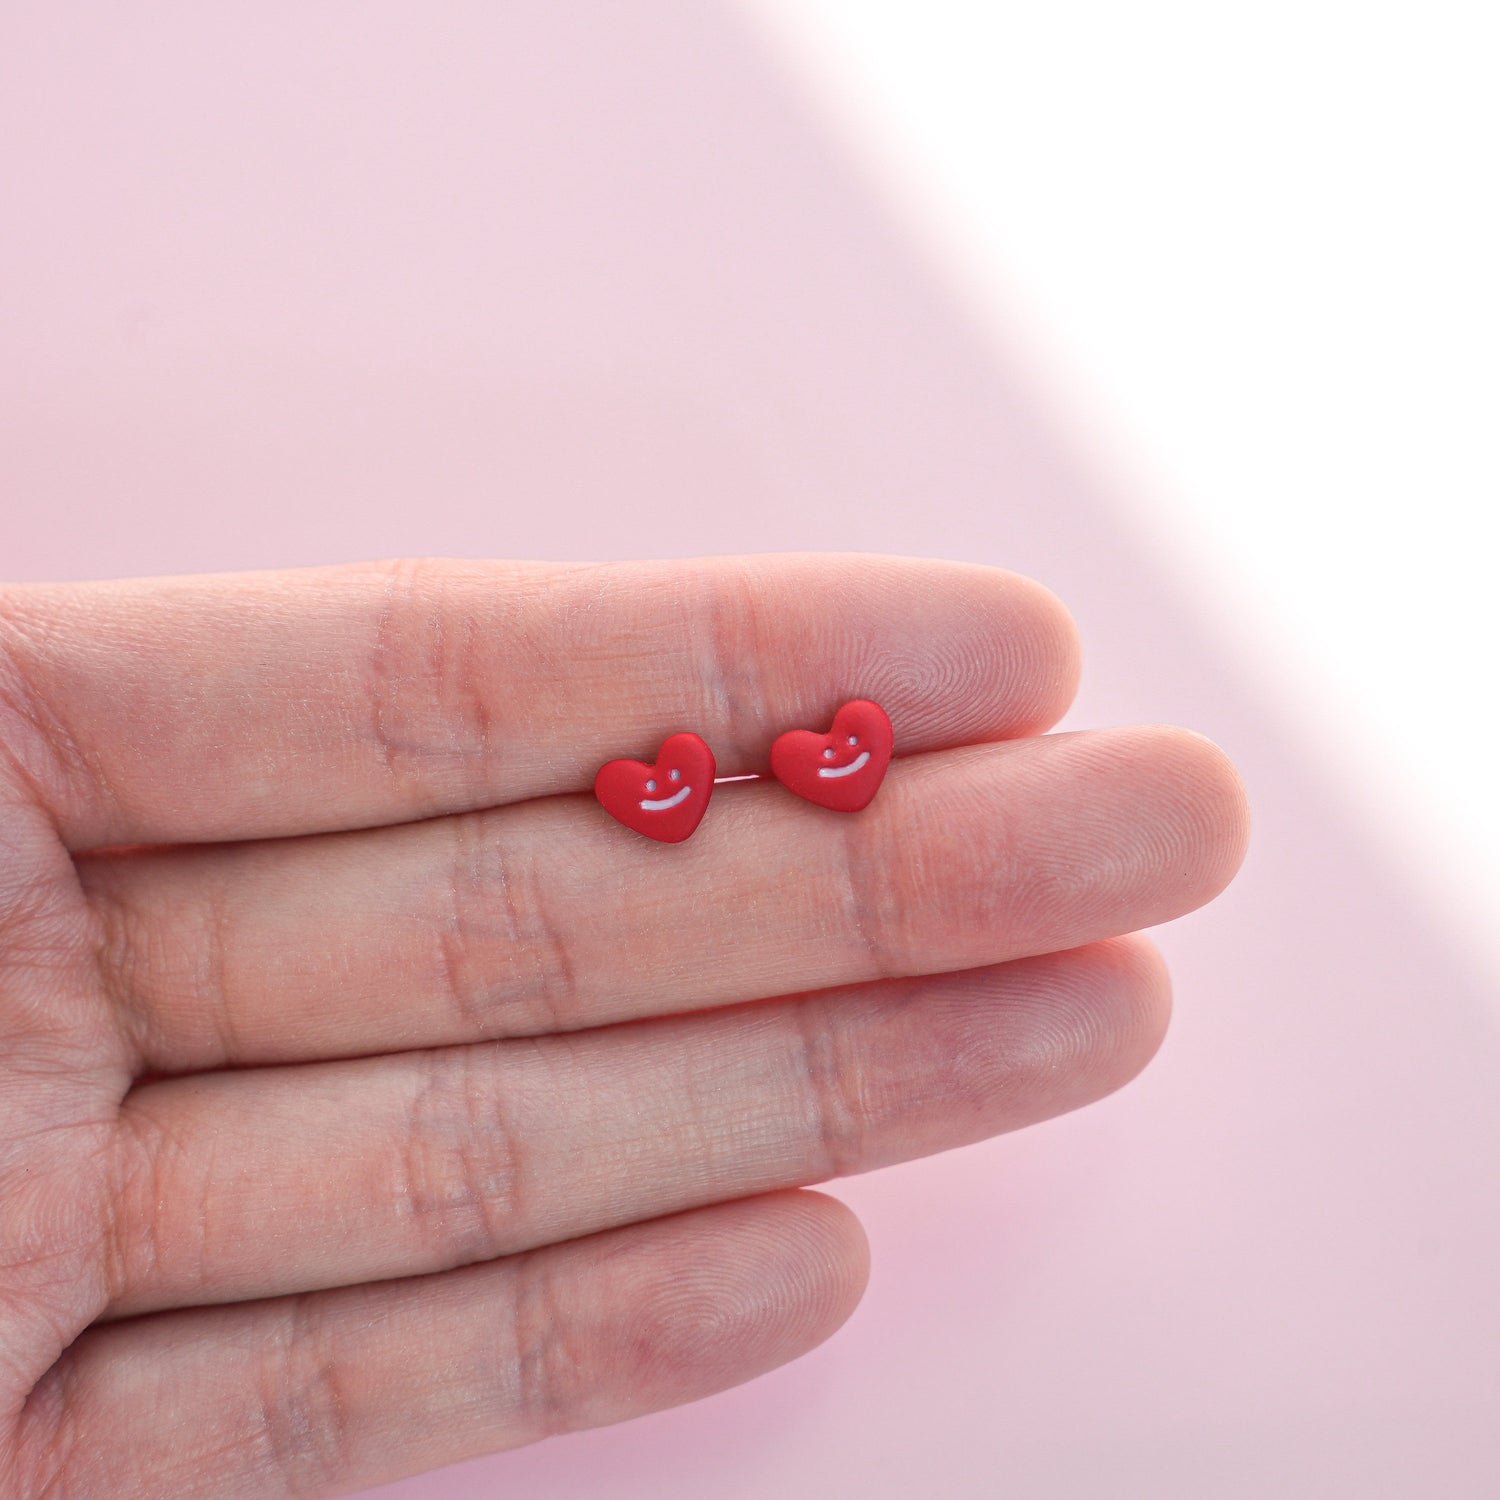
x,y
547,916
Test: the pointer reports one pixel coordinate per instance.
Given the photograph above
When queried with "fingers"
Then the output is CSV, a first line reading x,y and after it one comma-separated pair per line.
x,y
551,917
265,704
392,1166
327,1393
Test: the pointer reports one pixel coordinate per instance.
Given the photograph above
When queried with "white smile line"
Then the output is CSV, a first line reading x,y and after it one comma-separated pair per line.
x,y
849,770
661,804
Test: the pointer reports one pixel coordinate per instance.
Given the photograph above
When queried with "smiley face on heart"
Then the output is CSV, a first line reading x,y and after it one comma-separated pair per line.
x,y
842,769
666,800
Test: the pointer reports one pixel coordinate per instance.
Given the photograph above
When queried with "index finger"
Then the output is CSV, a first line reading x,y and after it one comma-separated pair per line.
x,y
267,704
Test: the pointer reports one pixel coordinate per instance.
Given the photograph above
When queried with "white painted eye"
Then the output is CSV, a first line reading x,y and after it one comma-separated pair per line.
x,y
853,739
828,753
675,774
651,785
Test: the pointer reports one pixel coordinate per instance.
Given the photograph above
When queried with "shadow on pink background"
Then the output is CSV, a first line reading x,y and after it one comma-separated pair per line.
x,y
288,284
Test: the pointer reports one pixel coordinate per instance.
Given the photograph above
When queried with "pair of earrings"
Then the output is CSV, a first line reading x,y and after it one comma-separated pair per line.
x,y
666,800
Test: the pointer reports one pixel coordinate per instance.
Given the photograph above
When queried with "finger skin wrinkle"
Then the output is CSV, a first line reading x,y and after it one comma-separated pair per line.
x,y
300,1418
549,946
549,1366
425,704
166,975
35,742
149,1185
120,956
504,959
54,1207
47,1452
459,1170
214,980
828,1077
477,877
549,984
458,667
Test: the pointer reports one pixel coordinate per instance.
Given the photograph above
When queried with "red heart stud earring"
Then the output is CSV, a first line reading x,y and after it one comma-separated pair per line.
x,y
664,801
842,769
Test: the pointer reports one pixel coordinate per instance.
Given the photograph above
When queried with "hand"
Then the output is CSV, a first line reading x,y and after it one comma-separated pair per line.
x,y
370,1100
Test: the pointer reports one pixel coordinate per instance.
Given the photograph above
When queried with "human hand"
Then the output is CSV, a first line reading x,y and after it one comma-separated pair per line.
x,y
396,1105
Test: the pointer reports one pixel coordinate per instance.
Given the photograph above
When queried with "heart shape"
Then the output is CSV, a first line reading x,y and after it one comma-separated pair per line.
x,y
666,800
842,769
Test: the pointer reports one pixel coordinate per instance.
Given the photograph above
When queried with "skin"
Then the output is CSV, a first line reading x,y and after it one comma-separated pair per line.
x,y
370,1100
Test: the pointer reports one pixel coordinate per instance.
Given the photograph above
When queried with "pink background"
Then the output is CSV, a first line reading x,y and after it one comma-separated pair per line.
x,y
292,284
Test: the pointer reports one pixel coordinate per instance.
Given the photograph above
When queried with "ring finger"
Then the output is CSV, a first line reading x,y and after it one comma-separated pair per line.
x,y
396,1166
